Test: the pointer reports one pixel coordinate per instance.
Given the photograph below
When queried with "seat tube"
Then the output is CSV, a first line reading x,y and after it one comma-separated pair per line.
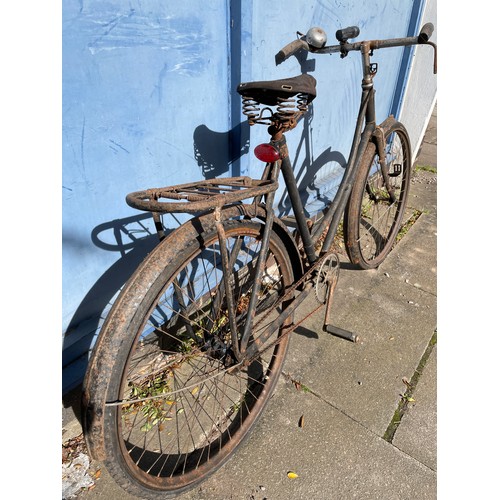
x,y
293,193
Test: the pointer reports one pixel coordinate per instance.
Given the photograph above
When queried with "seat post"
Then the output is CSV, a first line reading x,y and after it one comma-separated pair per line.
x,y
276,132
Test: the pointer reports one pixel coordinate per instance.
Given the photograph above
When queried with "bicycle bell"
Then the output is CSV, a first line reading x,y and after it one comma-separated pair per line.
x,y
316,37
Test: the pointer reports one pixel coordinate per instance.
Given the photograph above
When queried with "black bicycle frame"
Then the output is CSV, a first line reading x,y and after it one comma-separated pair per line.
x,y
333,212
335,209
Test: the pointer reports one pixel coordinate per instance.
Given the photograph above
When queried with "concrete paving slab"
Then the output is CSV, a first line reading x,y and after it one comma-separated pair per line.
x,y
428,157
392,308
417,432
395,320
332,455
428,150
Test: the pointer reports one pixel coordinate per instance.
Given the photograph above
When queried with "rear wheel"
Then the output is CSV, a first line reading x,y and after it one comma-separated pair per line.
x,y
184,403
377,203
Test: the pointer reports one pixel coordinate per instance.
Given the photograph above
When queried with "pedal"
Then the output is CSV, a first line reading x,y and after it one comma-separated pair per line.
x,y
340,332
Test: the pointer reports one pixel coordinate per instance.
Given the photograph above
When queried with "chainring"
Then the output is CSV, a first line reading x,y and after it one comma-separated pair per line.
x,y
327,275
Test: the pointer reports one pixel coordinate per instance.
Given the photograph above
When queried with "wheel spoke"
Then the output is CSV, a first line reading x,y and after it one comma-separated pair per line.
x,y
374,220
185,402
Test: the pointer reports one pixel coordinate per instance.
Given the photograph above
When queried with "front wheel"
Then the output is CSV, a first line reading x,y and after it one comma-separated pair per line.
x,y
378,199
178,403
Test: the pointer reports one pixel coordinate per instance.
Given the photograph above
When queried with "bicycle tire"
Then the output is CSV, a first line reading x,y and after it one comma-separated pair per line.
x,y
207,409
372,221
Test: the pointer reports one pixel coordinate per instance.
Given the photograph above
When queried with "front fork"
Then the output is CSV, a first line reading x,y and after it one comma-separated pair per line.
x,y
380,142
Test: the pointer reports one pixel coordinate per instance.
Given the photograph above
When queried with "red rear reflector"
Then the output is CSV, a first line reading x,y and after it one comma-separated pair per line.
x,y
266,153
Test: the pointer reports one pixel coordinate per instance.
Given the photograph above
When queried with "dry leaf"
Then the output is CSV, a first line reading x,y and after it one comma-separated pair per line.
x,y
301,421
292,475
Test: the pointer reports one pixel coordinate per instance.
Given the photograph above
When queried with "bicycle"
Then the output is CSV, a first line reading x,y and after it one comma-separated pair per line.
x,y
193,346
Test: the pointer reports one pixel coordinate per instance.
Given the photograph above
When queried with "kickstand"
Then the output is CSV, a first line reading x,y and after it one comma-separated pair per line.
x,y
335,330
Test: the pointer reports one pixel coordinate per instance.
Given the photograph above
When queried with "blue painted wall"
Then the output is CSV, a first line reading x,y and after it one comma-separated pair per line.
x,y
149,100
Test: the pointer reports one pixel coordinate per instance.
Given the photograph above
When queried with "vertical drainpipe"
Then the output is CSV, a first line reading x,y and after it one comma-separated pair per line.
x,y
404,68
240,63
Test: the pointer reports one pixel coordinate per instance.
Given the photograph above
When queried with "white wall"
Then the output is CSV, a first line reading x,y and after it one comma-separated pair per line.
x,y
421,89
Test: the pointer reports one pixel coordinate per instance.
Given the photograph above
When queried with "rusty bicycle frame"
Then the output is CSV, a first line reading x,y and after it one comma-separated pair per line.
x,y
219,194
226,213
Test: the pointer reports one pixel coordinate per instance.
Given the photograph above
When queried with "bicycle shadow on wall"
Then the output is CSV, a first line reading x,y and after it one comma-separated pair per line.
x,y
133,239
307,173
216,153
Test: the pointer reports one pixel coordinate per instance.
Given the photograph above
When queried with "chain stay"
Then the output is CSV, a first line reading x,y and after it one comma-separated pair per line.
x,y
317,266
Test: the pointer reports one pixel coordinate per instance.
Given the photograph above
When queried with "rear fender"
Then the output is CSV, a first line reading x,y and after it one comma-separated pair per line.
x,y
97,388
279,228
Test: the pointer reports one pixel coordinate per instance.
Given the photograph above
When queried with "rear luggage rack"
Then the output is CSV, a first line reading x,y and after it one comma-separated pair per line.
x,y
198,196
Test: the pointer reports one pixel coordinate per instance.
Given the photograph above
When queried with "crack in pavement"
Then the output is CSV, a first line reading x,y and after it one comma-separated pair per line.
x,y
399,412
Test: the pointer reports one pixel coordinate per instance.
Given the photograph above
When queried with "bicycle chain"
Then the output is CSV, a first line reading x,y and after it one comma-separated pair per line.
x,y
288,330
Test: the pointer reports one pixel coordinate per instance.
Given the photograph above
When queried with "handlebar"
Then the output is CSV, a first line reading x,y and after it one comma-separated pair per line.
x,y
343,35
290,49
425,33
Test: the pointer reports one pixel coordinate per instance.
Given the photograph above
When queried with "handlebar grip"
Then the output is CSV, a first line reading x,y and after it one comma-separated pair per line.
x,y
344,34
290,49
425,33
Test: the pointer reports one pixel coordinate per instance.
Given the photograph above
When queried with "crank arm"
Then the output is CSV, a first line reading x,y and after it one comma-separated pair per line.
x,y
329,328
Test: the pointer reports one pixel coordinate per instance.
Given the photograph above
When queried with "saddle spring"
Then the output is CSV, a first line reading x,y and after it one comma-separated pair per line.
x,y
251,110
288,110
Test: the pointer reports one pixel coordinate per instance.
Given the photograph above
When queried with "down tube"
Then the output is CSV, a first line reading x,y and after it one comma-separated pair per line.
x,y
346,187
351,166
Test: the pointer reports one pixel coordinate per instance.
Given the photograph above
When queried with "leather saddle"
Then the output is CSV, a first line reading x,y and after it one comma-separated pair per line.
x,y
271,92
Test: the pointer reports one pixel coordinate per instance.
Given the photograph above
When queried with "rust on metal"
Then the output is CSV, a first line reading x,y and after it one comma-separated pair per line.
x,y
195,197
101,363
288,111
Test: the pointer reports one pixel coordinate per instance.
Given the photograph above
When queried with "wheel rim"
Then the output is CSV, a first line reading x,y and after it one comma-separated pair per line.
x,y
380,217
189,404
